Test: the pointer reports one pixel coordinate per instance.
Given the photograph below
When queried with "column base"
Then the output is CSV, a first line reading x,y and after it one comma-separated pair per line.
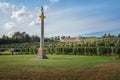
x,y
41,54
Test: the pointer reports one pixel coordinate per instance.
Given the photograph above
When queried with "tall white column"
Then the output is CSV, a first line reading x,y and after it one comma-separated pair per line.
x,y
41,50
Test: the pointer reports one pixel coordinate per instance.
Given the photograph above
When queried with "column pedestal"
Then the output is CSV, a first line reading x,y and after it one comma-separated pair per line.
x,y
41,54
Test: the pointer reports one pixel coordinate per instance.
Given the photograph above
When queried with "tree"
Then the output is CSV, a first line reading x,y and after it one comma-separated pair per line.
x,y
104,36
26,38
4,39
118,35
35,38
62,37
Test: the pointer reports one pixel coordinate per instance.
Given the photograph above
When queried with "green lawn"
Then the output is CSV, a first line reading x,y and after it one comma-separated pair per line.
x,y
59,67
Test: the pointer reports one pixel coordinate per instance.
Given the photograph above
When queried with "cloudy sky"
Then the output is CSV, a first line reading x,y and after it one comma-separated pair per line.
x,y
63,17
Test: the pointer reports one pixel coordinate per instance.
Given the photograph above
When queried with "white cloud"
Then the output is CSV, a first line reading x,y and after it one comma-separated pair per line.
x,y
31,16
9,25
69,22
19,15
10,33
35,22
4,5
45,7
54,1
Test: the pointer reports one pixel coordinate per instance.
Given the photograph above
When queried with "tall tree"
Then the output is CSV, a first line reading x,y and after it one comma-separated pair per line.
x,y
118,35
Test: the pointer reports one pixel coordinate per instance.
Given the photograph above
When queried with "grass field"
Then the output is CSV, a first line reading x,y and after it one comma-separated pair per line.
x,y
59,67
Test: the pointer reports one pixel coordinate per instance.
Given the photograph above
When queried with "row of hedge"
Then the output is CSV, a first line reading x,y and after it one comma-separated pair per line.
x,y
16,53
85,50
68,50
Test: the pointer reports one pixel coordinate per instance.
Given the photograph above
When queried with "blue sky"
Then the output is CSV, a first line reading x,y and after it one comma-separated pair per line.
x,y
63,17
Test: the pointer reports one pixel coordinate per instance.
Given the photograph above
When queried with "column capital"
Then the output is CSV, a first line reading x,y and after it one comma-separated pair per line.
x,y
42,17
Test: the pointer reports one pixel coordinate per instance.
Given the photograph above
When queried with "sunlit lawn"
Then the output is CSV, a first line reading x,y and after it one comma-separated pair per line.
x,y
59,67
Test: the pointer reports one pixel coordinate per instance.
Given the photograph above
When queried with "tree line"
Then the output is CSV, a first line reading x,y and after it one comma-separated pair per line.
x,y
19,37
23,37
